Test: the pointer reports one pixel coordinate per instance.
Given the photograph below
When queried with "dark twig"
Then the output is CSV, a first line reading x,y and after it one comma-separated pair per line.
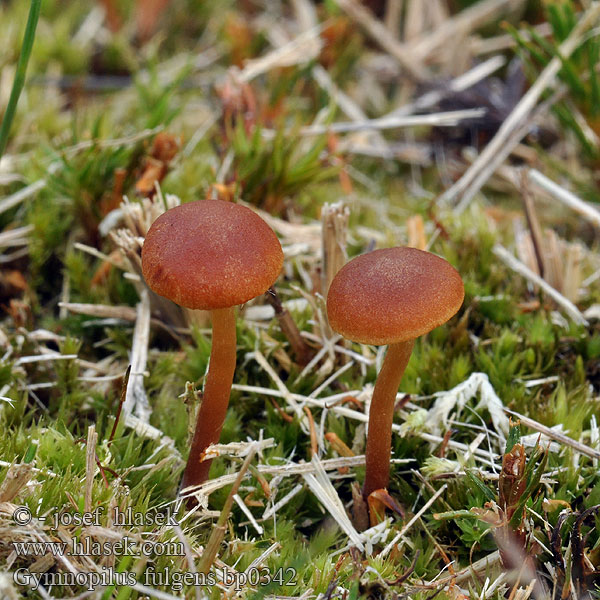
x,y
121,401
532,221
289,328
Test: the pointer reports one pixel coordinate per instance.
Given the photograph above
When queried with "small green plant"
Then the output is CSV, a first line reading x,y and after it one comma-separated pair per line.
x,y
269,171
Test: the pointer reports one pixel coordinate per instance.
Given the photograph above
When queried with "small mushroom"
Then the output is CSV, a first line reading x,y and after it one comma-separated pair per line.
x,y
211,255
392,297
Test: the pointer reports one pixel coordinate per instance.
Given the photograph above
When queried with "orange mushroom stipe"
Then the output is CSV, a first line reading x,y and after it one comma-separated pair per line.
x,y
211,255
392,297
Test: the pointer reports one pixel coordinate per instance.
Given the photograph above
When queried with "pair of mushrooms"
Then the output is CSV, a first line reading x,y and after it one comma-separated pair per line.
x,y
215,255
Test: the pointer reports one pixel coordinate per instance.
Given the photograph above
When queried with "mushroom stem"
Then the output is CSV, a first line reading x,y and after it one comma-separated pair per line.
x,y
215,399
381,416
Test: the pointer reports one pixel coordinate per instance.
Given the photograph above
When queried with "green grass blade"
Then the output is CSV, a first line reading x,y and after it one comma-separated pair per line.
x,y
19,82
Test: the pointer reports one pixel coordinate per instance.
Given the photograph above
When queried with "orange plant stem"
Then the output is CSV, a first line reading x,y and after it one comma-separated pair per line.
x,y
215,400
381,416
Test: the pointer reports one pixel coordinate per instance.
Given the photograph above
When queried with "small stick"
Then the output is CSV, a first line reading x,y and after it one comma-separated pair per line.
x,y
516,265
431,500
532,221
289,328
561,438
218,533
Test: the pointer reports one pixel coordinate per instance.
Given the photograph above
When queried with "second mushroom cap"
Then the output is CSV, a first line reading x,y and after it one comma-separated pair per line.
x,y
393,295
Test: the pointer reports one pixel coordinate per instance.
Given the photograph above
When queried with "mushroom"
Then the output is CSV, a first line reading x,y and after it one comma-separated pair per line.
x,y
392,297
211,255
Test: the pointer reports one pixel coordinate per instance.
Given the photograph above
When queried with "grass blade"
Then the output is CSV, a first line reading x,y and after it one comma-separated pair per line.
x,y
19,82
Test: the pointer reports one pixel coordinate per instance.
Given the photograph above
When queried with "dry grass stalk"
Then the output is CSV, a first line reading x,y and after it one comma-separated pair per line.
x,y
15,237
321,486
301,49
388,42
393,15
136,400
441,119
512,130
90,465
458,84
461,24
216,537
24,193
491,45
561,261
408,525
563,195
272,510
104,311
334,221
516,265
16,479
415,228
555,435
420,21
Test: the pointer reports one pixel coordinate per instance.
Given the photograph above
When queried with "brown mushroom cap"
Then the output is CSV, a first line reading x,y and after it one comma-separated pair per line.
x,y
210,254
393,295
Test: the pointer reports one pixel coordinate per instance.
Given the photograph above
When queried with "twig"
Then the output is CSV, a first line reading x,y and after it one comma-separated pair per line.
x,y
121,401
532,221
516,265
289,328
